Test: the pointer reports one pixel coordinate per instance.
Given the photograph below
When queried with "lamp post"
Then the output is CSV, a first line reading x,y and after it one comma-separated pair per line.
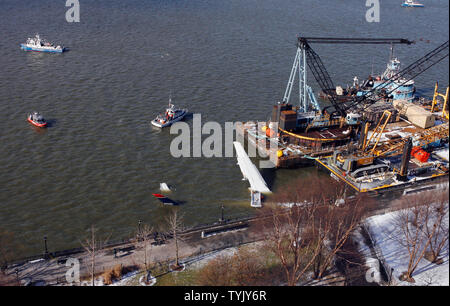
x,y
45,248
221,216
139,230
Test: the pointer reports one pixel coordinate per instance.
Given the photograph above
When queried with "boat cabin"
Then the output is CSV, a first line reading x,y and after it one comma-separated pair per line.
x,y
36,117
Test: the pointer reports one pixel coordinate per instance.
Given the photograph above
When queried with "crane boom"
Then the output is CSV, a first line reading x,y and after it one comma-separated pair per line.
x,y
407,74
337,40
318,69
325,82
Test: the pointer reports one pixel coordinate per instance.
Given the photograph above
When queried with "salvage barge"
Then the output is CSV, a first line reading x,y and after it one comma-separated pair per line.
x,y
372,142
385,162
288,149
386,180
416,157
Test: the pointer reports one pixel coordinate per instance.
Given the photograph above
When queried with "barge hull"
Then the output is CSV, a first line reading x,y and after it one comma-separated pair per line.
x,y
398,185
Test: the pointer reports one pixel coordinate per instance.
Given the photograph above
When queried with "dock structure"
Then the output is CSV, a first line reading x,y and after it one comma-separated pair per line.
x,y
251,173
290,150
392,164
390,181
376,169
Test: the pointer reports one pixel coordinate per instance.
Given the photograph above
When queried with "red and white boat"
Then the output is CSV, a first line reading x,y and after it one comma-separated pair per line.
x,y
36,119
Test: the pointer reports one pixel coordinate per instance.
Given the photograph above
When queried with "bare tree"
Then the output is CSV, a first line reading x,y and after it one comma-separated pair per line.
x,y
341,222
291,236
143,238
175,223
92,245
435,226
6,248
9,250
411,223
312,229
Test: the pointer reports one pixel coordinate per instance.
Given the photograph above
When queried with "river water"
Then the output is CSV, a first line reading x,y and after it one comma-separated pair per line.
x,y
100,159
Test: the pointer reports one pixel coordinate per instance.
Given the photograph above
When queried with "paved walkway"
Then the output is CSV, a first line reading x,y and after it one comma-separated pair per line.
x,y
53,271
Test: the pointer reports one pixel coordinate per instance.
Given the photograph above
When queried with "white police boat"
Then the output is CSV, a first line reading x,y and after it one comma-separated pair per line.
x,y
41,45
412,3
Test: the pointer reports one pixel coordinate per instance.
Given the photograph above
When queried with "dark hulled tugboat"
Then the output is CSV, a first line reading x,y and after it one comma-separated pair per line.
x,y
171,115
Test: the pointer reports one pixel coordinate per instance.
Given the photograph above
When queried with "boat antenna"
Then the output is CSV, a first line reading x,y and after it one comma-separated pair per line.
x,y
372,67
392,52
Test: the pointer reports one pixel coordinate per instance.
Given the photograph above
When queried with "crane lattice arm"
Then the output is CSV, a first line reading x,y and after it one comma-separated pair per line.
x,y
410,72
318,69
377,132
407,74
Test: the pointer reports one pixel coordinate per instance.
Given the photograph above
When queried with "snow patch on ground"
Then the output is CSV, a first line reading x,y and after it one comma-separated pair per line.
x,y
201,260
152,281
386,236
124,280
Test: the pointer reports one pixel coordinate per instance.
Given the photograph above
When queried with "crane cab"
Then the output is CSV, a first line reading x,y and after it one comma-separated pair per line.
x,y
352,118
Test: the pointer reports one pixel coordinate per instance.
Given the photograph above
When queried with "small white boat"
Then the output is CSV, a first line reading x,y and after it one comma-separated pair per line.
x,y
41,45
412,3
170,116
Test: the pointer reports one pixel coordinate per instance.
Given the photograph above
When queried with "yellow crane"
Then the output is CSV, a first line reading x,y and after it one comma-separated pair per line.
x,y
372,148
366,154
445,113
377,133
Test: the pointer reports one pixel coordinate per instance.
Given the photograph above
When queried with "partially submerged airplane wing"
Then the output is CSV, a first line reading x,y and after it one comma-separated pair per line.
x,y
165,200
249,170
164,187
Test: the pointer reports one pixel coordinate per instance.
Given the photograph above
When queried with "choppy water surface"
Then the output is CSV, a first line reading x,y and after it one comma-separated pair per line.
x,y
100,160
